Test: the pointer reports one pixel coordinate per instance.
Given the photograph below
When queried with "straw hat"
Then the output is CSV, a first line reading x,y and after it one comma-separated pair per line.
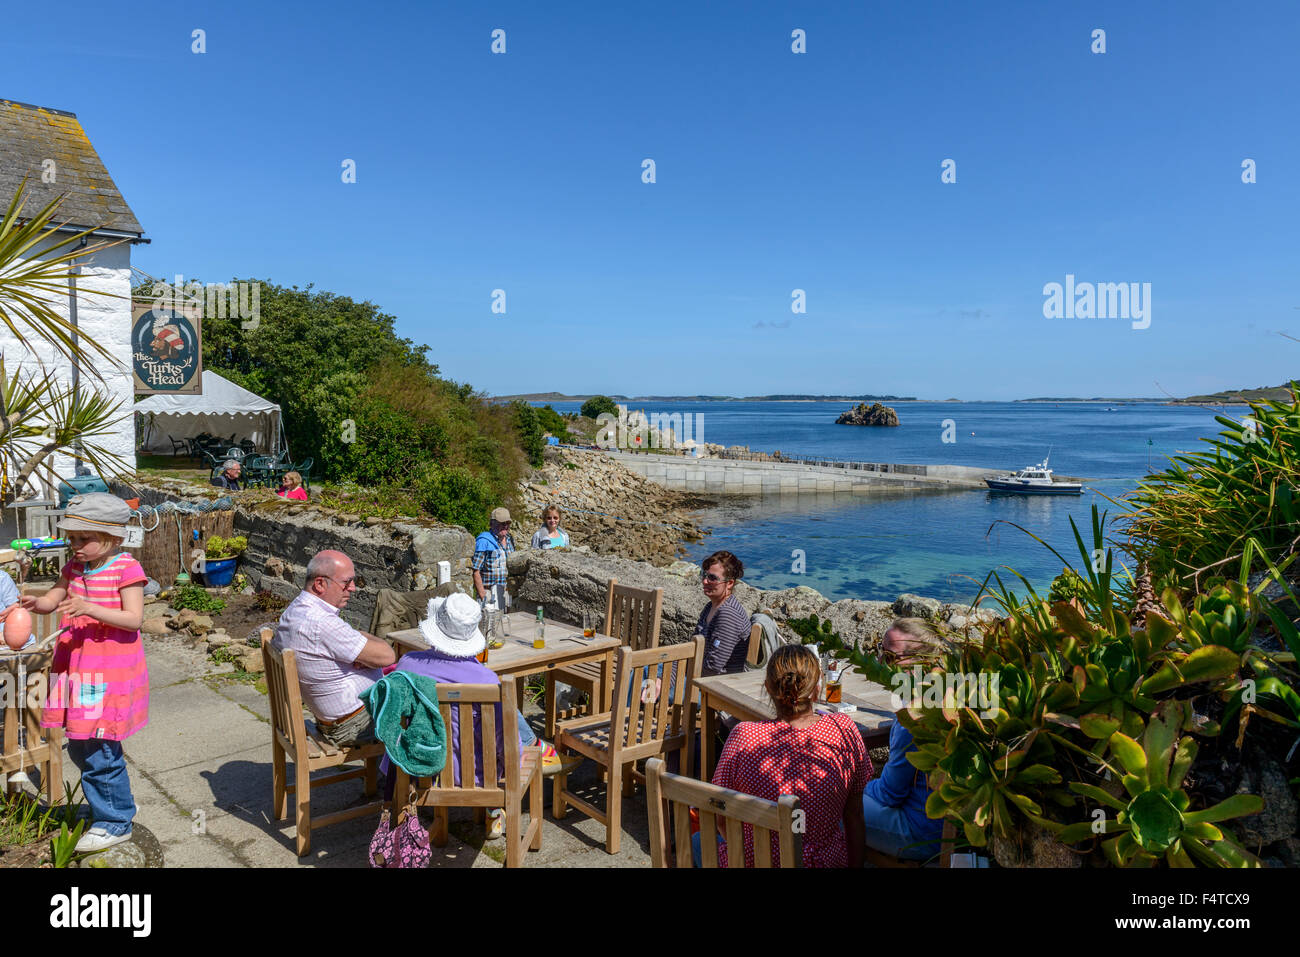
x,y
452,626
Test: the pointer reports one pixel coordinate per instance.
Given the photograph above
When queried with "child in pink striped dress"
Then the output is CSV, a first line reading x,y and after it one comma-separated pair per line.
x,y
99,690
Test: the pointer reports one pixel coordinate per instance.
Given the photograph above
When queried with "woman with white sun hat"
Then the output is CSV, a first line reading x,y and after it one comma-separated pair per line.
x,y
451,628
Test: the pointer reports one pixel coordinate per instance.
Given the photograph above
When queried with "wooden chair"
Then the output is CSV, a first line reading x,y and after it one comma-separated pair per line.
x,y
736,810
296,738
633,616
501,787
43,749
755,644
617,739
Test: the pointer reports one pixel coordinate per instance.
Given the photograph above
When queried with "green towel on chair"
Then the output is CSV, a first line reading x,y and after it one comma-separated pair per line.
x,y
420,748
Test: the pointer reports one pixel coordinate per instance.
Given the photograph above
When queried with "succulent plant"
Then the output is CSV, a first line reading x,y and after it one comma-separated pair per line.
x,y
1155,821
1225,615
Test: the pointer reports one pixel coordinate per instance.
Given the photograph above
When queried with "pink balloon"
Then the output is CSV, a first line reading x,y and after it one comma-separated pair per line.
x,y
18,627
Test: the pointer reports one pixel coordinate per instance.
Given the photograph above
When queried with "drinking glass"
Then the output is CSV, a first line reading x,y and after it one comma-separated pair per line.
x,y
588,625
834,689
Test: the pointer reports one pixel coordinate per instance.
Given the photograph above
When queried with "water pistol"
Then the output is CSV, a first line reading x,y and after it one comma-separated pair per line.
x,y
36,544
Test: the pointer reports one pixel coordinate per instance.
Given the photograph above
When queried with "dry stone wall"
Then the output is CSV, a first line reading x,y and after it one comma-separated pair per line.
x,y
282,539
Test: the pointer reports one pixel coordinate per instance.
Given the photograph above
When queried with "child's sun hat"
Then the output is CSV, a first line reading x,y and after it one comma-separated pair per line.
x,y
96,512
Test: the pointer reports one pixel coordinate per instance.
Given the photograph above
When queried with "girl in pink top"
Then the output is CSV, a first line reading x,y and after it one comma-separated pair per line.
x,y
99,691
819,758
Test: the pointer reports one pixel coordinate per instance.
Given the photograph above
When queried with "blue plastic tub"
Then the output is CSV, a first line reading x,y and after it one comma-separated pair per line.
x,y
219,573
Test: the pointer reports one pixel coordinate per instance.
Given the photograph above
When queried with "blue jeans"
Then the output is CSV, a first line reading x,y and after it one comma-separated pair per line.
x,y
105,783
526,736
890,831
697,855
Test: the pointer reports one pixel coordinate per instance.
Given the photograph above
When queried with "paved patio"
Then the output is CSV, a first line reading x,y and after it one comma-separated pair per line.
x,y
201,774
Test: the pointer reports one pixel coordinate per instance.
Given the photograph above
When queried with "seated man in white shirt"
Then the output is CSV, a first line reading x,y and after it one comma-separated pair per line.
x,y
336,663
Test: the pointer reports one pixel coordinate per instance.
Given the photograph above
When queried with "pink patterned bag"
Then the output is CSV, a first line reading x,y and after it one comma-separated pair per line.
x,y
406,845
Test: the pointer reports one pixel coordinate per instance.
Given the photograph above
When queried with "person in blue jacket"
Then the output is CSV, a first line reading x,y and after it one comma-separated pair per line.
x,y
894,803
491,549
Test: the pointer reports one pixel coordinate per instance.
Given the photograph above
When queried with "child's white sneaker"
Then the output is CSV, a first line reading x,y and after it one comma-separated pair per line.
x,y
98,839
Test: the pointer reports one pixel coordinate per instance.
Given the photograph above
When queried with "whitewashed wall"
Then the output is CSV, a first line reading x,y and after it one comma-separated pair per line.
x,y
108,321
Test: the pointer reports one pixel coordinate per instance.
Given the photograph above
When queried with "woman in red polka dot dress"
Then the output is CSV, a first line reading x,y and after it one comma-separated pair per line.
x,y
819,758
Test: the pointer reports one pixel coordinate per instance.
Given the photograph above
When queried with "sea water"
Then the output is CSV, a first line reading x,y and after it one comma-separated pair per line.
x,y
938,544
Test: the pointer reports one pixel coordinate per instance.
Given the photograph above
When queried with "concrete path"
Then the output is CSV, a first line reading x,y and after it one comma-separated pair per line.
x,y
201,775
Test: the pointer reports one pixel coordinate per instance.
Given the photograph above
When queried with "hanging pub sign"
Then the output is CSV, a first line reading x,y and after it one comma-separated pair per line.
x,y
166,348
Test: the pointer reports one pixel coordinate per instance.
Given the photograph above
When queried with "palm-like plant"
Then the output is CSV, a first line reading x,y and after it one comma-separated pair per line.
x,y
1208,507
39,413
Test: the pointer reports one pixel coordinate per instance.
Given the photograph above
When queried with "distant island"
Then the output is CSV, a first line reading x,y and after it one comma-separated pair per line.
x,y
1130,401
1278,393
876,415
560,397
1227,397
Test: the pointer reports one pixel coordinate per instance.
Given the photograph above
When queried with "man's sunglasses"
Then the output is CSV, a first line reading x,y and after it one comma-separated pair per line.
x,y
710,577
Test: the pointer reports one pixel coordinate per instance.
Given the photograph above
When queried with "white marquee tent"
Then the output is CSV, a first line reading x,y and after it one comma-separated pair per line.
x,y
222,409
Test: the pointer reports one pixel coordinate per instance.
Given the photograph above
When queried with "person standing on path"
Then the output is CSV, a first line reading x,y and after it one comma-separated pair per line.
x,y
99,691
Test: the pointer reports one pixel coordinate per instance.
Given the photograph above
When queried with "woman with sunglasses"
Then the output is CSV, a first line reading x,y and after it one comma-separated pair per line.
x,y
893,805
724,623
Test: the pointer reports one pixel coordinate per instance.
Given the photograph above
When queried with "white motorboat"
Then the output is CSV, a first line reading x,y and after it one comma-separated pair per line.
x,y
1034,480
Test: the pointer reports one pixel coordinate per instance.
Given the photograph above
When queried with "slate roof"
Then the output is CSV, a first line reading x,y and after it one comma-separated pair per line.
x,y
29,135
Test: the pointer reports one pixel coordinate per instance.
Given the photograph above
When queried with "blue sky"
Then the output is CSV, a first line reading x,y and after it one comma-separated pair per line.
x,y
775,171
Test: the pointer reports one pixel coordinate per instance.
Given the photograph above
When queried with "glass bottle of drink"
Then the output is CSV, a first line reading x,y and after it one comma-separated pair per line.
x,y
539,634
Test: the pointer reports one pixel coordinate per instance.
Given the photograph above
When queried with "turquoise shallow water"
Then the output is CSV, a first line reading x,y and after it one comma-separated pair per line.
x,y
941,545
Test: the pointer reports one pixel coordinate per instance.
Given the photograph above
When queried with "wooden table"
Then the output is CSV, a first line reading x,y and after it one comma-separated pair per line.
x,y
742,696
519,659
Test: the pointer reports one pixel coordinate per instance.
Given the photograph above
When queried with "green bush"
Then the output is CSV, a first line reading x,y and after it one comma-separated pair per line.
x,y
597,405
455,495
551,421
310,352
368,405
529,429
194,596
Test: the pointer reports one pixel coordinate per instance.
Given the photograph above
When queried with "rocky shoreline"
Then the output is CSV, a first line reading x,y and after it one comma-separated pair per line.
x,y
608,508
570,581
